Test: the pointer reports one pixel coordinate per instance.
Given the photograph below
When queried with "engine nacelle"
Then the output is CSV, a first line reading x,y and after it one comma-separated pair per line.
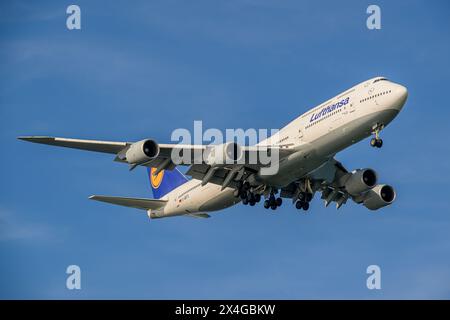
x,y
379,196
360,181
142,151
227,153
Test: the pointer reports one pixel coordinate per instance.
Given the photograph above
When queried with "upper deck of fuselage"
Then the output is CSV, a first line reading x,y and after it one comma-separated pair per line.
x,y
353,95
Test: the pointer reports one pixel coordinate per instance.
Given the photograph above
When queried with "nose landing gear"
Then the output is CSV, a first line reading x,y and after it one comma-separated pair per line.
x,y
377,142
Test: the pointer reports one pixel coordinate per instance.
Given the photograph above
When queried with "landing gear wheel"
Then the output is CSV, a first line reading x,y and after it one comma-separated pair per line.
x,y
257,197
266,204
305,206
379,143
272,201
373,142
299,204
273,207
252,202
279,201
245,201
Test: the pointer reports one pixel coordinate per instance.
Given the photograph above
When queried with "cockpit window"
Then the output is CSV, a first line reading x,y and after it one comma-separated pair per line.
x,y
380,79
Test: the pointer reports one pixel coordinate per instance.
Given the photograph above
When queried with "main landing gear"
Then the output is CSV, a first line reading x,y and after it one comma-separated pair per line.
x,y
377,142
250,197
272,202
304,198
247,196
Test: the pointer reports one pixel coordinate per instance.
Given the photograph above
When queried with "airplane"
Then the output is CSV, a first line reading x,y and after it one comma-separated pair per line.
x,y
307,147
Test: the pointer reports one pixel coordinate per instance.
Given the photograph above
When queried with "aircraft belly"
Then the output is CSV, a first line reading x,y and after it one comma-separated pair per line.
x,y
293,169
221,200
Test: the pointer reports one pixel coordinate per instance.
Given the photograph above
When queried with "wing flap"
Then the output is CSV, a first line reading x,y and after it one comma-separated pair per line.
x,y
138,203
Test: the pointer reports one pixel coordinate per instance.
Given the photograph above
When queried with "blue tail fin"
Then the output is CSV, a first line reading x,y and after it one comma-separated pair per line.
x,y
165,181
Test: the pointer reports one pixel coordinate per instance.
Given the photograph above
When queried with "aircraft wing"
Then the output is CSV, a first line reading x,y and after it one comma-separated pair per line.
x,y
89,145
162,159
138,203
118,148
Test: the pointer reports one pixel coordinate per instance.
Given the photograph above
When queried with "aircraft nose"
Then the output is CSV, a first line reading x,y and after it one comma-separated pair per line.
x,y
401,94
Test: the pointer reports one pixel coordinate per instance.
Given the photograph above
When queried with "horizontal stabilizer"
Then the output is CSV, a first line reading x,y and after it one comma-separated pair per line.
x,y
138,203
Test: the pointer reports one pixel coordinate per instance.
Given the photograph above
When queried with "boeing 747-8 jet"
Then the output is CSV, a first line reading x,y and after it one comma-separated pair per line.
x,y
306,161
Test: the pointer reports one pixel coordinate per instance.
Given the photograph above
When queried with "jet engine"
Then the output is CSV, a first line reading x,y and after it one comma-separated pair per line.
x,y
142,151
379,196
360,181
227,153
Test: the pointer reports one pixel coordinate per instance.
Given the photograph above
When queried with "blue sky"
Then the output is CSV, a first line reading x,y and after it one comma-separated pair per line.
x,y
141,71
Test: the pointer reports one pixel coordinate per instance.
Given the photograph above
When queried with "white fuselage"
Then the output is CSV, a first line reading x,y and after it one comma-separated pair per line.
x,y
318,134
